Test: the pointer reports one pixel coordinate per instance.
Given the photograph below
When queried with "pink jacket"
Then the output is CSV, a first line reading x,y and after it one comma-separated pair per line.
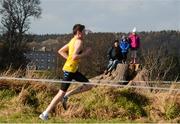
x,y
134,41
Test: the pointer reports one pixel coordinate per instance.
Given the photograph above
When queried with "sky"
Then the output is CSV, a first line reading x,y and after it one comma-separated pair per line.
x,y
59,16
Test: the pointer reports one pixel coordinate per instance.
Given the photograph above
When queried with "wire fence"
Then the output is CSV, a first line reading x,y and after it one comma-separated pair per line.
x,y
103,83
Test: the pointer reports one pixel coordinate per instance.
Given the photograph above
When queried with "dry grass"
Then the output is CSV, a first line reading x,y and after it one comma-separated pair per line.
x,y
22,99
102,103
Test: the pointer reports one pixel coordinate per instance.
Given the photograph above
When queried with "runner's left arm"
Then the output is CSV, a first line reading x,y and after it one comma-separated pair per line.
x,y
78,48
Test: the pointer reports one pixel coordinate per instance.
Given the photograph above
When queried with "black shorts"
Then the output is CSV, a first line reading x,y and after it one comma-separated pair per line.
x,y
69,76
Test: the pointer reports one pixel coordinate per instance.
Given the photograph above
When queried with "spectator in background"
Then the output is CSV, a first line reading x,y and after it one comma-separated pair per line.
x,y
134,40
124,46
114,56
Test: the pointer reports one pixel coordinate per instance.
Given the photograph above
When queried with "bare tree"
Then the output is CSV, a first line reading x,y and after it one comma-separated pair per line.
x,y
160,64
15,20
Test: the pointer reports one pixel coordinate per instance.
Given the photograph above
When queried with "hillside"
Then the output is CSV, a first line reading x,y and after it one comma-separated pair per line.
x,y
152,39
23,101
161,47
102,104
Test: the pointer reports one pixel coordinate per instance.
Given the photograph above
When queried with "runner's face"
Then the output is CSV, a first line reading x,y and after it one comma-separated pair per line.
x,y
81,34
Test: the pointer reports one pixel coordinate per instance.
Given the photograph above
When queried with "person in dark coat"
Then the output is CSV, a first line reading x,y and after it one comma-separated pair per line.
x,y
114,56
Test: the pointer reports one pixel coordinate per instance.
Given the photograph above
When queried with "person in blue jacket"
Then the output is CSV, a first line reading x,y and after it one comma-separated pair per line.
x,y
124,46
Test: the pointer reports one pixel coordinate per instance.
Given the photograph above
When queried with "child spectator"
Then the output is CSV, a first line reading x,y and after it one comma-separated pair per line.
x,y
134,44
124,45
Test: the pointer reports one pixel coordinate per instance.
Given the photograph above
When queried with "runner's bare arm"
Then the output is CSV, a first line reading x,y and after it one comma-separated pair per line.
x,y
78,48
64,51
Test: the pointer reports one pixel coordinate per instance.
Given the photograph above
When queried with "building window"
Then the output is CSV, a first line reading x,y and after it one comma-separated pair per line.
x,y
42,60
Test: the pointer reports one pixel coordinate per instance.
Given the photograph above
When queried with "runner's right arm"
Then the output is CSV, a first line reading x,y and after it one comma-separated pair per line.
x,y
64,51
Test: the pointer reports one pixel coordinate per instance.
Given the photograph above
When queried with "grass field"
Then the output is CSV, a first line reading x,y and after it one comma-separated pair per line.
x,y
24,101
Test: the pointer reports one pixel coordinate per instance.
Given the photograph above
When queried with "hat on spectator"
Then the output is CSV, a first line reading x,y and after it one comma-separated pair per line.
x,y
134,30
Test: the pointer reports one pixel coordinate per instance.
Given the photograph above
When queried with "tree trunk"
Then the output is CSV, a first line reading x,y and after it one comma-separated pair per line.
x,y
141,79
120,73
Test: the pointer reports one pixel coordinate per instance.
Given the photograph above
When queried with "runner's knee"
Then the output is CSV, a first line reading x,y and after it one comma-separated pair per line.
x,y
64,86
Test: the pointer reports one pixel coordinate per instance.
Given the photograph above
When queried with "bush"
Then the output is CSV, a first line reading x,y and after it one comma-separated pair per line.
x,y
132,102
172,111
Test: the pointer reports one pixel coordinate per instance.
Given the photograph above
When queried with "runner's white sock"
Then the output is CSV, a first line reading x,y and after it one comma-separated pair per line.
x,y
66,96
45,113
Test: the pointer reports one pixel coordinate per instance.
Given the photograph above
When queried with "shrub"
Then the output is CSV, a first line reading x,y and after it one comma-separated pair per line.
x,y
172,111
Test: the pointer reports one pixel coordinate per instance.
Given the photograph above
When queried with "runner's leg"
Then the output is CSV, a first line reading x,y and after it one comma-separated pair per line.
x,y
85,87
59,96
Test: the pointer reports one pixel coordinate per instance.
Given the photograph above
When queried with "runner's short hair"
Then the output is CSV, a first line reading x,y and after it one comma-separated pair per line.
x,y
78,27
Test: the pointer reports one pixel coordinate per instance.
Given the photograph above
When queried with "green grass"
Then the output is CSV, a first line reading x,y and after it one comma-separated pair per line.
x,y
132,102
100,105
6,94
19,118
172,111
110,103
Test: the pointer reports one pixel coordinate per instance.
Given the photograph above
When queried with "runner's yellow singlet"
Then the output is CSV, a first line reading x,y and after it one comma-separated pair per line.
x,y
70,64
